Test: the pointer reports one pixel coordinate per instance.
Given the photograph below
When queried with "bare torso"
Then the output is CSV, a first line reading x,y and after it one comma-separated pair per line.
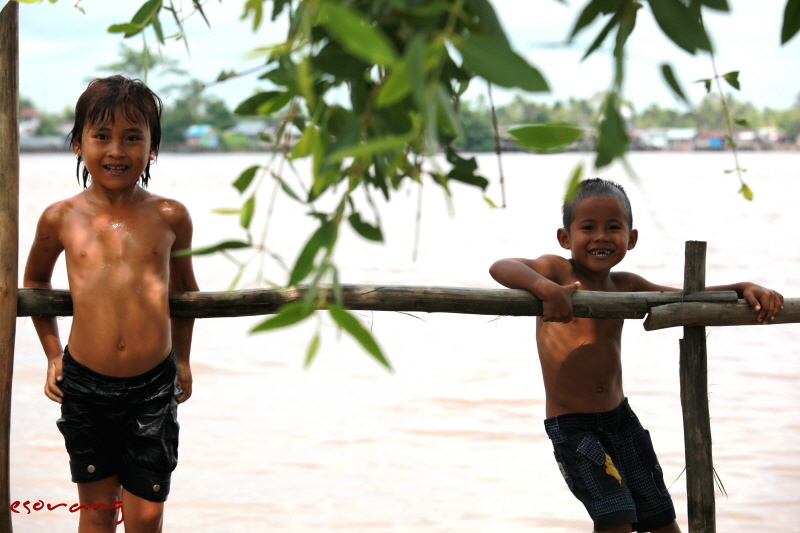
x,y
581,365
118,266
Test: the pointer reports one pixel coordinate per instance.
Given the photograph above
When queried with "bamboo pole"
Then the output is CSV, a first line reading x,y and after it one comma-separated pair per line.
x,y
716,314
9,234
516,302
694,402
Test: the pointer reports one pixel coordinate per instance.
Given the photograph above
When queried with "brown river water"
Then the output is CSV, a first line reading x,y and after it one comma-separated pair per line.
x,y
452,440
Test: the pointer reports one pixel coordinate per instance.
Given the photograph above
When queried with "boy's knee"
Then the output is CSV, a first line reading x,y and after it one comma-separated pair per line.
x,y
98,520
142,516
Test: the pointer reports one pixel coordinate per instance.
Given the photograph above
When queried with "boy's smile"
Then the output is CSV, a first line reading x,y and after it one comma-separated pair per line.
x,y
115,153
599,235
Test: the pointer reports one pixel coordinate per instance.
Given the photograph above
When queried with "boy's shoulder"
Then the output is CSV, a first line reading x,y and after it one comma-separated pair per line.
x,y
171,210
554,267
630,282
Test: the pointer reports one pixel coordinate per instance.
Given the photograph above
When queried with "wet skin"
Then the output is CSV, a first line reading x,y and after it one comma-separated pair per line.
x,y
117,239
581,357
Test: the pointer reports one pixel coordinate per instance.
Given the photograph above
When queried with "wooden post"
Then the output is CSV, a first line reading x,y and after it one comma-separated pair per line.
x,y
9,234
694,402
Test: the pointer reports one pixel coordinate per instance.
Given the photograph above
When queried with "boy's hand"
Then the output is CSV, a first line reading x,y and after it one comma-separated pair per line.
x,y
766,301
558,306
54,376
184,381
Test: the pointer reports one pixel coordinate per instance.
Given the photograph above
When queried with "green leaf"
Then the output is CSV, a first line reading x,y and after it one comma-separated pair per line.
x,y
323,237
245,179
366,230
491,202
545,136
377,145
719,5
588,15
680,25
288,190
601,37
288,314
746,192
310,143
226,245
741,122
127,28
257,10
311,351
791,20
573,184
612,141
246,216
351,325
672,81
396,86
489,22
496,62
226,211
264,103
733,79
356,34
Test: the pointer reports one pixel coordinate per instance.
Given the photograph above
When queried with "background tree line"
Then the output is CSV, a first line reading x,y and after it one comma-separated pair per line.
x,y
708,115
187,104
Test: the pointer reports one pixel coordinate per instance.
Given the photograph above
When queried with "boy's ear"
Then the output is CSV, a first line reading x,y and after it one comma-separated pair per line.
x,y
563,238
76,148
632,238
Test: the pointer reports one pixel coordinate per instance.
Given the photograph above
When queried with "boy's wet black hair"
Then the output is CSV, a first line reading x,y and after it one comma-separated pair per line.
x,y
595,187
104,98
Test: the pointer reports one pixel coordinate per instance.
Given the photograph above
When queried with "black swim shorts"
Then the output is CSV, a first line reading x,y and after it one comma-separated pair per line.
x,y
124,427
609,464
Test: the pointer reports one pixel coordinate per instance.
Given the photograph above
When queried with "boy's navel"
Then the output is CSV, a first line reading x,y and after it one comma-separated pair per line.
x,y
121,346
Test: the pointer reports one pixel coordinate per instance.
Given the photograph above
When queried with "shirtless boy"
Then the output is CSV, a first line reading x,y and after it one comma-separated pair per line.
x,y
126,366
603,452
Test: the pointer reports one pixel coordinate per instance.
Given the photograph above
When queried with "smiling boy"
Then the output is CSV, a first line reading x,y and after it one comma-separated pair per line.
x,y
126,366
604,454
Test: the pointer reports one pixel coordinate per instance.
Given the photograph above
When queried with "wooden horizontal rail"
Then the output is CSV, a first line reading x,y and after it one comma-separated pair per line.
x,y
716,314
586,304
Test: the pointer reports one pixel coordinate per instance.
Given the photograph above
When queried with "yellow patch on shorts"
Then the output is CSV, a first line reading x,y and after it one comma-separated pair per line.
x,y
611,470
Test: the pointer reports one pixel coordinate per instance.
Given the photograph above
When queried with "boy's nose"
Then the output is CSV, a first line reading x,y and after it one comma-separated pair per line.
x,y
116,149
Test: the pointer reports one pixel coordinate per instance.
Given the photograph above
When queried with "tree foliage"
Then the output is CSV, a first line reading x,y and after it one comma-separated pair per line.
x,y
374,87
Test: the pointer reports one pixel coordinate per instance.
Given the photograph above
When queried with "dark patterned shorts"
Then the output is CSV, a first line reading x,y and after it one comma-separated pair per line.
x,y
609,464
124,427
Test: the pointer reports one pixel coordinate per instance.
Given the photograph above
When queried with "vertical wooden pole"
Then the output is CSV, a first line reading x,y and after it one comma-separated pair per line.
x,y
694,401
9,234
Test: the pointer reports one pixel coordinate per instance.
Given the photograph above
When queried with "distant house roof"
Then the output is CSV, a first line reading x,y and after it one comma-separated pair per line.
x,y
199,130
250,128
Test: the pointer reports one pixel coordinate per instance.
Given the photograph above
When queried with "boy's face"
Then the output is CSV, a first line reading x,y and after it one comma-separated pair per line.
x,y
115,153
599,236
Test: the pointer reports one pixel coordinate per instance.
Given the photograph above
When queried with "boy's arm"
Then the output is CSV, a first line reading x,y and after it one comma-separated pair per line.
x,y
181,278
766,301
538,276
38,272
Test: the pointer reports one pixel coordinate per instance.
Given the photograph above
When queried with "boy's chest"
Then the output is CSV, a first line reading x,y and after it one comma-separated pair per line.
x,y
107,238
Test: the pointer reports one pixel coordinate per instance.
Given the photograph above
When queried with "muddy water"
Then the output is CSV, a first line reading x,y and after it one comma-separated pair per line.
x,y
452,440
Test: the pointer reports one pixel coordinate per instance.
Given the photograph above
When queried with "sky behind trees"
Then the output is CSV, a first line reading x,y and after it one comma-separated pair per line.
x,y
61,48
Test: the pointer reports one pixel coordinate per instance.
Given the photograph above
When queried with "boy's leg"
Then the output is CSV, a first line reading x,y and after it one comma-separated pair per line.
x,y
102,519
142,516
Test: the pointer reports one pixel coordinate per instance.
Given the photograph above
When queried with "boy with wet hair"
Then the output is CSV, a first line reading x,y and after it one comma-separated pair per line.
x,y
126,366
604,454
